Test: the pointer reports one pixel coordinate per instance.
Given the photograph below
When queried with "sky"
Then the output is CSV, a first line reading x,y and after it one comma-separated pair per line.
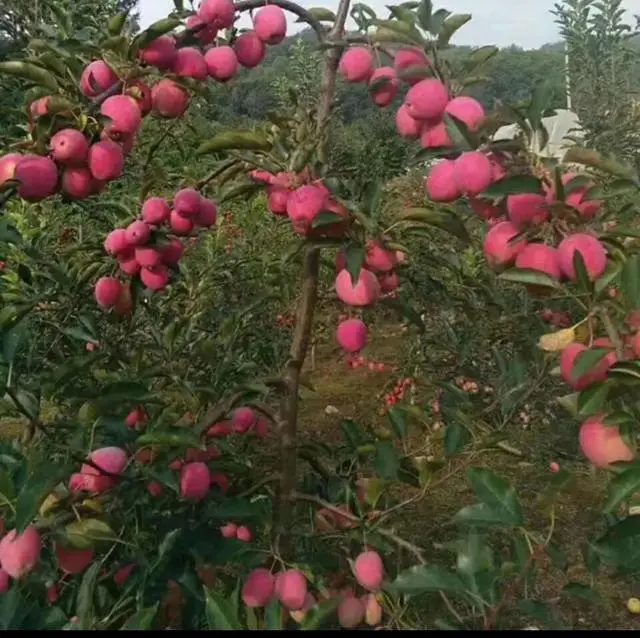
x,y
526,23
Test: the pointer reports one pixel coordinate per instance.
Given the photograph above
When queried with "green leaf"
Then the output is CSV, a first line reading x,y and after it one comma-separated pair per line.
x,y
317,616
386,462
582,276
171,438
86,532
321,14
456,436
593,399
84,600
540,611
496,494
234,140
513,185
481,514
325,218
116,24
273,616
401,29
584,592
588,157
355,256
123,391
620,545
630,282
405,310
398,419
30,72
142,619
421,579
621,487
439,219
529,277
220,612
437,20
461,137
450,26
425,9
587,360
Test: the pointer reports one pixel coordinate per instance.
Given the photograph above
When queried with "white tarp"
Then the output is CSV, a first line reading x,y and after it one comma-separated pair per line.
x,y
559,126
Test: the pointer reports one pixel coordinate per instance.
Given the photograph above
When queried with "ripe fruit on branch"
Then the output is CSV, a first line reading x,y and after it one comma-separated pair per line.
x,y
194,481
602,444
351,612
124,113
8,165
383,85
590,248
160,53
73,561
106,160
539,257
440,183
270,24
20,553
96,78
467,110
222,63
189,63
406,126
365,291
258,588
291,589
69,147
598,373
527,209
500,246
250,49
243,420
369,570
408,57
356,64
106,291
169,99
38,177
427,100
218,13
472,173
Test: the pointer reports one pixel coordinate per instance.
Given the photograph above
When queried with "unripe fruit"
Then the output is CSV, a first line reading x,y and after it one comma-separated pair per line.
x,y
242,419
229,530
4,581
222,63
73,561
77,183
350,612
383,85
38,177
155,278
602,444
499,249
218,13
406,126
194,481
369,570
8,165
410,57
356,64
472,172
220,430
427,100
527,209
155,211
106,291
171,252
110,459
351,335
250,49
180,225
160,53
467,110
124,113
270,24
244,534
365,291
96,78
303,205
69,147
106,160
277,199
137,233
258,588
389,282
207,34
372,610
539,257
169,99
19,553
435,136
189,63
187,202
208,213
148,256
291,589
590,248
440,183
633,605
